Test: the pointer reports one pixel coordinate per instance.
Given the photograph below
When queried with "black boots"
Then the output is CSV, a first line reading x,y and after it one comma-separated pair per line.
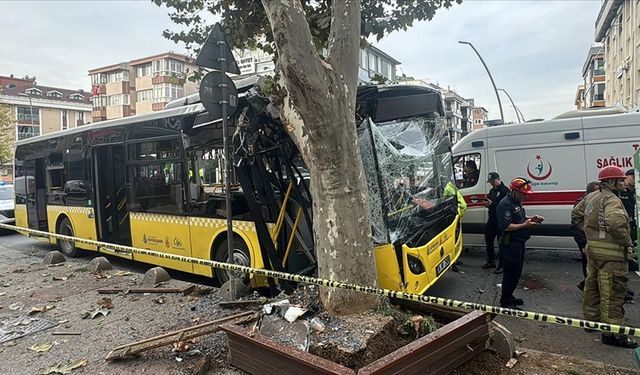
x,y
620,341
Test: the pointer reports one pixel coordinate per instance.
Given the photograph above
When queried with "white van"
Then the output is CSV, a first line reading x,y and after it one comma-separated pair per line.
x,y
559,156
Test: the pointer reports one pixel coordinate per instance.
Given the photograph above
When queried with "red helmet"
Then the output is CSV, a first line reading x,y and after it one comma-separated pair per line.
x,y
521,184
611,172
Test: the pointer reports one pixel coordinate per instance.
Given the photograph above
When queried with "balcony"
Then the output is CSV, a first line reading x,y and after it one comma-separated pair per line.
x,y
177,79
158,106
99,112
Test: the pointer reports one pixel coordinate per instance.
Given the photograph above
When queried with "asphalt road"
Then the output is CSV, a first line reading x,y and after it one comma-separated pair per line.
x,y
548,286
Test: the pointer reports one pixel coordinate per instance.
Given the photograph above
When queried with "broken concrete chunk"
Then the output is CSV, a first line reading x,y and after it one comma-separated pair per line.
x,y
317,324
294,313
295,334
99,264
233,290
268,308
155,276
54,257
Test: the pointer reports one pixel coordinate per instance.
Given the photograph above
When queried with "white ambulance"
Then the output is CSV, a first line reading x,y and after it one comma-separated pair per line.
x,y
559,156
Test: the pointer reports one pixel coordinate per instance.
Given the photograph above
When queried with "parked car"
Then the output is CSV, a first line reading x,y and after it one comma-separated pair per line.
x,y
7,215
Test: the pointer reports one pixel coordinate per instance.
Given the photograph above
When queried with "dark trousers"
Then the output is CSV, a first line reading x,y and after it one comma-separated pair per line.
x,y
512,263
584,263
490,233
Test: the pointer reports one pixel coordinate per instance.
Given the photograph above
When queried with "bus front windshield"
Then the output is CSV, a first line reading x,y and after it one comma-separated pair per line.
x,y
408,166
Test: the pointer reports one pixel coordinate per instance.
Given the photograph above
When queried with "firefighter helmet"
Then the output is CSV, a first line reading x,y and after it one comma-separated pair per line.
x,y
611,172
521,184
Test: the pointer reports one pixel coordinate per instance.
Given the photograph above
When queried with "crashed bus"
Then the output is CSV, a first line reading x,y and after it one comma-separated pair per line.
x,y
155,181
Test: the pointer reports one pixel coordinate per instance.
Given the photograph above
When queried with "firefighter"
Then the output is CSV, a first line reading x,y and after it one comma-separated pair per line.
x,y
514,225
496,194
578,234
606,224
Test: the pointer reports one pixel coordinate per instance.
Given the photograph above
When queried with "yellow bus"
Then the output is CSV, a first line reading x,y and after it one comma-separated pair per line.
x,y
155,181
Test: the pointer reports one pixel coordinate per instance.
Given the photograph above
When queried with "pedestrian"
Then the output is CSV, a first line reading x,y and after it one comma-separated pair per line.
x,y
578,234
496,194
514,225
606,225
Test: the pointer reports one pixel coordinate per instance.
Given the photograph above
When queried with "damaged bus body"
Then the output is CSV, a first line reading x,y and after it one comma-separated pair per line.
x,y
155,181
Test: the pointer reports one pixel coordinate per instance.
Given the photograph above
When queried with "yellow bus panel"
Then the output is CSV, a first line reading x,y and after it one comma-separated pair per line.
x,y
82,220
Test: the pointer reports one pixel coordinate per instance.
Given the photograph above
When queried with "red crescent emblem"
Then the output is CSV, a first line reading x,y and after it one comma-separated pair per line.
x,y
539,178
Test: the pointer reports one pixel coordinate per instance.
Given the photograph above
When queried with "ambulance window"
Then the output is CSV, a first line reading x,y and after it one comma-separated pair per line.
x,y
467,169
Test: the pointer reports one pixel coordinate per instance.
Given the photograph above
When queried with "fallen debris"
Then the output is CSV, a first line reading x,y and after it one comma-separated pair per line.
x,y
183,291
60,278
182,346
155,276
293,313
35,310
242,303
317,324
63,368
95,313
105,303
16,306
122,273
57,333
511,362
129,350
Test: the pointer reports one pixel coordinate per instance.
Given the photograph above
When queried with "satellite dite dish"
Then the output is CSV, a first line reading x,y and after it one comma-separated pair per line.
x,y
214,49
211,94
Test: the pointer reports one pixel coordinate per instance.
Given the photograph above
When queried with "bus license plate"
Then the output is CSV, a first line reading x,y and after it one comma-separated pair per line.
x,y
442,265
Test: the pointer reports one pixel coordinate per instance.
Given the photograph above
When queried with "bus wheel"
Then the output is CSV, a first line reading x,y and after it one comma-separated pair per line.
x,y
68,248
241,257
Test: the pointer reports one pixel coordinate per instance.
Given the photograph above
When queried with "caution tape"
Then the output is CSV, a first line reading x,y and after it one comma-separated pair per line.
x,y
540,317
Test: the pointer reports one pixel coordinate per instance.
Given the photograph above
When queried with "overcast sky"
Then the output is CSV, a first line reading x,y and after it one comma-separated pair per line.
x,y
534,49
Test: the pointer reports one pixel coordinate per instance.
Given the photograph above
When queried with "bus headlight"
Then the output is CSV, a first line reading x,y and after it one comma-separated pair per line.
x,y
415,265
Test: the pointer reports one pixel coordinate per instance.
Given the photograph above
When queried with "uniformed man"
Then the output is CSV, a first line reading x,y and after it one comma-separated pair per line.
x,y
606,224
496,194
514,225
578,233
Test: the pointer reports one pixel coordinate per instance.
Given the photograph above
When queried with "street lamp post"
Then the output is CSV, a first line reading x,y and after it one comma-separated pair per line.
x,y
516,109
490,77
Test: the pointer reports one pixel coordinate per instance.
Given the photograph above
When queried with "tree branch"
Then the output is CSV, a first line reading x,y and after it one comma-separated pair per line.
x,y
344,41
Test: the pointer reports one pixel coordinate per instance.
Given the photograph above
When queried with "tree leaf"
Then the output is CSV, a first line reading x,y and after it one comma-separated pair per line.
x,y
63,368
41,348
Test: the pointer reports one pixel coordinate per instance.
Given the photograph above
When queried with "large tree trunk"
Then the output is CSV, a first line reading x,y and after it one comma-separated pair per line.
x,y
318,109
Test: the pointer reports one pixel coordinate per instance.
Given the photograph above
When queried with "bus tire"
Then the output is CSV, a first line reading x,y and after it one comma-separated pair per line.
x,y
241,256
68,248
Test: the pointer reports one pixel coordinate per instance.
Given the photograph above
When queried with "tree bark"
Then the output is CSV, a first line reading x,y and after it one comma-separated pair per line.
x,y
318,109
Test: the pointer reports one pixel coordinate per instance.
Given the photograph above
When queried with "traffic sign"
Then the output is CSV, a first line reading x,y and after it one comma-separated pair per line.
x,y
214,50
211,93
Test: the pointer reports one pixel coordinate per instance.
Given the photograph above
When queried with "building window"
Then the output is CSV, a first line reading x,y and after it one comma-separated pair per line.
x,y
99,78
65,117
373,62
144,70
54,94
76,97
166,92
598,92
79,118
168,67
34,92
27,131
99,101
121,76
145,95
118,99
28,115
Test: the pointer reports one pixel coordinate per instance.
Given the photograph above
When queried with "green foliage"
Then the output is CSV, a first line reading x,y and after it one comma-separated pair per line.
x,y
247,27
378,79
7,133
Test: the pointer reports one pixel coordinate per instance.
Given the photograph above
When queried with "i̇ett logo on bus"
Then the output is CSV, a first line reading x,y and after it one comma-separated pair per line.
x,y
541,170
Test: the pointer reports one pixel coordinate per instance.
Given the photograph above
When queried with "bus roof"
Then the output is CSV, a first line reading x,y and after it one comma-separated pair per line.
x,y
166,113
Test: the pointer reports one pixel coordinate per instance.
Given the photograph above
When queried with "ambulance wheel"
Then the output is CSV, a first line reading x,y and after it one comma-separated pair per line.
x,y
241,256
68,248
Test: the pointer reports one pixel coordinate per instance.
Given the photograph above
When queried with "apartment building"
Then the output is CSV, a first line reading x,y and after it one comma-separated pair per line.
x,y
372,63
593,77
40,110
578,100
618,29
479,115
453,104
140,86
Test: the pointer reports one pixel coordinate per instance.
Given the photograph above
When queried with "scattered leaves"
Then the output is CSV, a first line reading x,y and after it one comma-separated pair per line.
x,y
41,348
35,310
158,300
95,313
182,346
63,368
101,275
105,303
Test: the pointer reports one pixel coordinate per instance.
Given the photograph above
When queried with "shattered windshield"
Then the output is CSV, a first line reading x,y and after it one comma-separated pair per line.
x,y
408,166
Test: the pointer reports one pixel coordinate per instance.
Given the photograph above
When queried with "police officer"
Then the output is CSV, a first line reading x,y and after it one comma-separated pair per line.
x,y
514,225
606,224
496,194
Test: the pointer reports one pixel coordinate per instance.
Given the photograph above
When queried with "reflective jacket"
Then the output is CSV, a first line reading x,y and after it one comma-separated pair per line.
x,y
606,224
451,190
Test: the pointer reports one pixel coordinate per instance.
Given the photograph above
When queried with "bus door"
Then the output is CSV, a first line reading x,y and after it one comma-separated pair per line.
x,y
111,194
36,189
